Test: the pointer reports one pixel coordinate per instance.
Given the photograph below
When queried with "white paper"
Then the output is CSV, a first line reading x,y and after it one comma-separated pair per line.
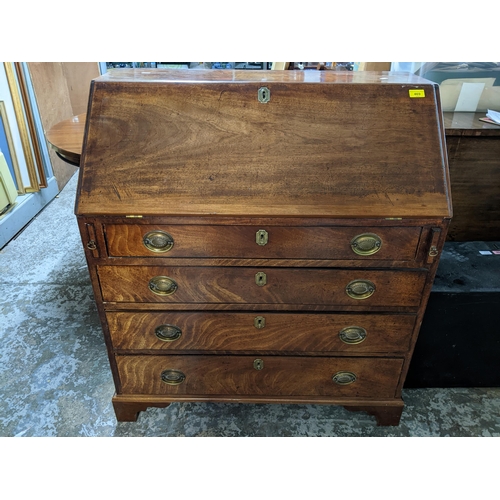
x,y
469,96
493,115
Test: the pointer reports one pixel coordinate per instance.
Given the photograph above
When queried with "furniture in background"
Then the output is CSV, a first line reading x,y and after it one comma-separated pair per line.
x,y
474,158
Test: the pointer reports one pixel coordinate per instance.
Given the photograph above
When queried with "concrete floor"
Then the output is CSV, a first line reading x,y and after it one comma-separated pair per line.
x,y
55,378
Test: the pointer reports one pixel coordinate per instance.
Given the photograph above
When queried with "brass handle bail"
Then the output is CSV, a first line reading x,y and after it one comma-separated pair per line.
x,y
162,285
344,378
168,333
366,244
172,377
352,335
360,289
158,241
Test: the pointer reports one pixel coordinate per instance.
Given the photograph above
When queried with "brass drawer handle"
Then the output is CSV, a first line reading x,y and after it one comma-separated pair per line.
x,y
168,333
162,285
360,289
172,377
352,335
344,378
366,244
158,241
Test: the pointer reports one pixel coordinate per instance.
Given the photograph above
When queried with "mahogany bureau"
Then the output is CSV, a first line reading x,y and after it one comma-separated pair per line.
x,y
262,236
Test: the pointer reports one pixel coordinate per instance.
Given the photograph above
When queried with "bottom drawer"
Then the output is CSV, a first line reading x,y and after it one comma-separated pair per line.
x,y
266,375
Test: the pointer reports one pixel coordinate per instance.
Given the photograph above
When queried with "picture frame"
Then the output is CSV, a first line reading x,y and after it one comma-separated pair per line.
x,y
8,150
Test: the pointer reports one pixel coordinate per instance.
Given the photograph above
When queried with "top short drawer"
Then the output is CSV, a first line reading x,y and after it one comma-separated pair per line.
x,y
266,242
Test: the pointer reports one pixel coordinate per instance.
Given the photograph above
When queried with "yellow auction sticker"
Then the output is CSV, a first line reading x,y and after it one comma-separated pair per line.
x,y
416,93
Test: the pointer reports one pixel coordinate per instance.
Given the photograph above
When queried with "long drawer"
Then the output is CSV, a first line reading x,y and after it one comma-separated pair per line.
x,y
194,241
284,332
267,375
246,285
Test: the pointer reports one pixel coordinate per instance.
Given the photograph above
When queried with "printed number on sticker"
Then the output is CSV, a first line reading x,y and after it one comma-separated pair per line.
x,y
417,93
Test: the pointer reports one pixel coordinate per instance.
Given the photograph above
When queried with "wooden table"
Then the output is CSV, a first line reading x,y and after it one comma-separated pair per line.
x,y
66,138
473,154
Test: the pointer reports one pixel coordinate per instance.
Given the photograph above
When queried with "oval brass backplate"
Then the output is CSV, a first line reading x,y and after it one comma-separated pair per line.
x,y
344,378
360,289
158,241
258,364
366,244
172,377
261,279
168,333
352,334
162,285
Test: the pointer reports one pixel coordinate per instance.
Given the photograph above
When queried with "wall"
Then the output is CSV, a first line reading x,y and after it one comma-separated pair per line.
x,y
62,91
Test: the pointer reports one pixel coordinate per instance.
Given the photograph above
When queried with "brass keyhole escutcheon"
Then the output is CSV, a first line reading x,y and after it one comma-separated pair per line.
x,y
360,289
158,241
264,95
366,244
344,378
262,237
258,364
162,285
261,279
352,335
259,322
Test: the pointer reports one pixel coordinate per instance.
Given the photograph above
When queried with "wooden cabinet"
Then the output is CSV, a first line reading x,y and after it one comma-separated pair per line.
x,y
474,160
262,236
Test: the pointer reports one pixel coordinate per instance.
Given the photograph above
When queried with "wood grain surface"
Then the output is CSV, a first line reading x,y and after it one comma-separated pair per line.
x,y
226,331
283,242
186,147
284,286
280,376
475,174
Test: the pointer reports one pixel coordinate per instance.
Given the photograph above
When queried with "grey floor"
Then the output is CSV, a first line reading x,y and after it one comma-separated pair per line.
x,y
55,378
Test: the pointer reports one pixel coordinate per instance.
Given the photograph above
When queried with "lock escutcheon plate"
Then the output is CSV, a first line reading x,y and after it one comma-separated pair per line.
x,y
258,364
259,322
261,279
264,95
262,237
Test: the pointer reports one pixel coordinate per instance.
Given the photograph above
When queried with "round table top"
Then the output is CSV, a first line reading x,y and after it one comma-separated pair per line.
x,y
66,138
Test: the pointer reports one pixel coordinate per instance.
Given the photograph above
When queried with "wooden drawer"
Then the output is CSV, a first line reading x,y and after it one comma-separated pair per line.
x,y
284,332
263,375
245,285
251,242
